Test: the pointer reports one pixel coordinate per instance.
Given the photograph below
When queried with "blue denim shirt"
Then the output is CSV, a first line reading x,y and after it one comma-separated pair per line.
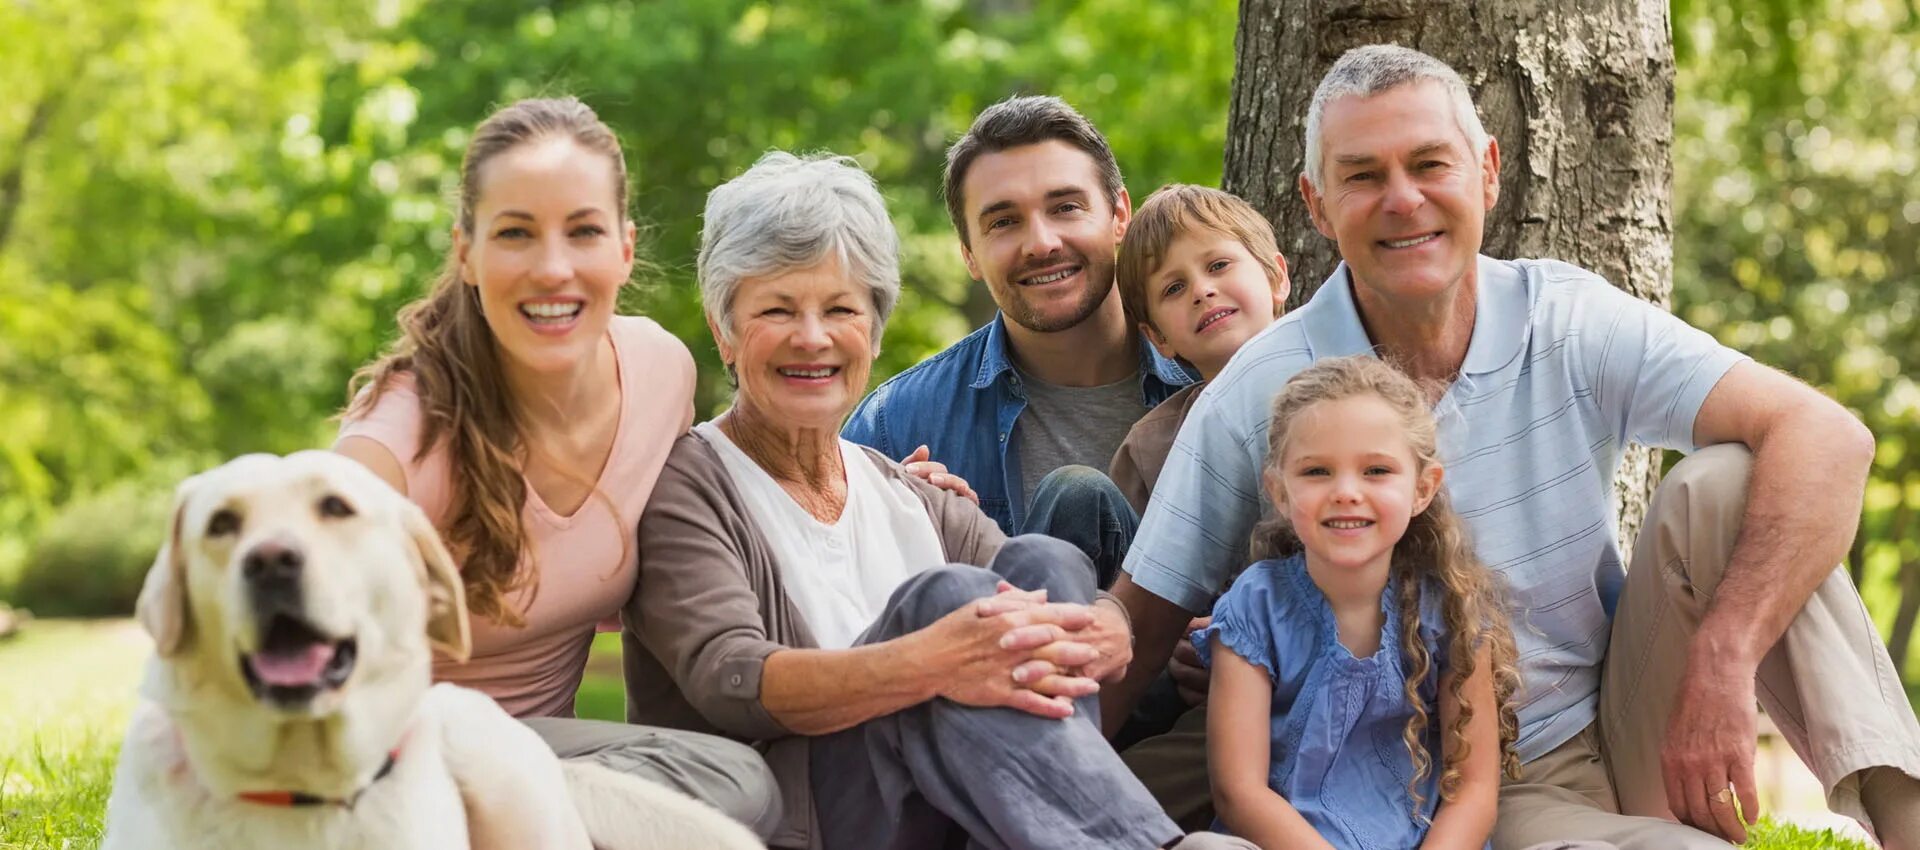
x,y
962,404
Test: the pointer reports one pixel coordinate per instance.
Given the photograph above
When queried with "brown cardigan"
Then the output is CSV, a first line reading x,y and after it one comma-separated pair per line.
x,y
710,607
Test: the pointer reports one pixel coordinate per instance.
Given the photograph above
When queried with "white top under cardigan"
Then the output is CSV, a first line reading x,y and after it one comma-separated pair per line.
x,y
838,575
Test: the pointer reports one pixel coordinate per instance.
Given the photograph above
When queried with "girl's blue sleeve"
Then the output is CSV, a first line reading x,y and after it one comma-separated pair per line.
x,y
1243,618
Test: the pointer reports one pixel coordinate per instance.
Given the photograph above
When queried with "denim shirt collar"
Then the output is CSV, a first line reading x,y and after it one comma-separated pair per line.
x,y
1159,376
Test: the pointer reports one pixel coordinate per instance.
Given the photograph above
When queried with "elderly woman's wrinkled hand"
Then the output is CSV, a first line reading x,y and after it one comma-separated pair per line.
x,y
1107,633
980,656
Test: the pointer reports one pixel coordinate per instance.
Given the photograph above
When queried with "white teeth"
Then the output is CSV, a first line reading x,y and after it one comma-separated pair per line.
x,y
1049,278
551,311
1208,322
827,372
1348,523
1408,243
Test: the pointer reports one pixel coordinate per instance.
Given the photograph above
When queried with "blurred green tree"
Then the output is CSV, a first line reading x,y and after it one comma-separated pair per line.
x,y
1797,231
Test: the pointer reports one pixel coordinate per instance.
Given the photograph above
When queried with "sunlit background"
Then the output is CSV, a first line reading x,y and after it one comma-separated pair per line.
x,y
211,209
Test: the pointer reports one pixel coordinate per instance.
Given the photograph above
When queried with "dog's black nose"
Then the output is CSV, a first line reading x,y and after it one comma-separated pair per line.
x,y
273,562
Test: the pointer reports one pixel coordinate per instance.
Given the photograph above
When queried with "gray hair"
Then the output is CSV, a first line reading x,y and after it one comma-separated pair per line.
x,y
1375,68
788,213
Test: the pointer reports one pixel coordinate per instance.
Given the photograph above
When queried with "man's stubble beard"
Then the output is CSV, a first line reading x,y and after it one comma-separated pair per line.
x,y
1091,300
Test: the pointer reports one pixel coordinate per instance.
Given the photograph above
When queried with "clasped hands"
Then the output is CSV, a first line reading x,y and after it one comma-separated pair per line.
x,y
1016,649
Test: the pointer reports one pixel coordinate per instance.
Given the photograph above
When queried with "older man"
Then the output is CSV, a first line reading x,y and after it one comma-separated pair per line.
x,y
1639,689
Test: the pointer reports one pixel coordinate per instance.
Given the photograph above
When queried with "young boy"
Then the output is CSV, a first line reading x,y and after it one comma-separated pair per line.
x,y
1199,273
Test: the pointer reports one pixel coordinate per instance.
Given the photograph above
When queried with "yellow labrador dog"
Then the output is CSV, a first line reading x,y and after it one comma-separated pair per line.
x,y
294,610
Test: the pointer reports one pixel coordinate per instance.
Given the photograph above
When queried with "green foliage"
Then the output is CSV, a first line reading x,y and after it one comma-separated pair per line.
x,y
91,559
221,204
1797,230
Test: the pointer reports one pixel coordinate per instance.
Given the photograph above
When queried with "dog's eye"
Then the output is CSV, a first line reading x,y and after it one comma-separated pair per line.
x,y
336,507
223,522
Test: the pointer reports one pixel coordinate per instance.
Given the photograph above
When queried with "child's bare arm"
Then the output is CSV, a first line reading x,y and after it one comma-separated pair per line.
x,y
1467,820
1239,751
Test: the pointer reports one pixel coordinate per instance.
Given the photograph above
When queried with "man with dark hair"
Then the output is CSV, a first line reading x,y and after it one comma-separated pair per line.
x,y
1030,407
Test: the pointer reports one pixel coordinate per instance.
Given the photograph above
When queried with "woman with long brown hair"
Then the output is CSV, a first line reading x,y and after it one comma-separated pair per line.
x,y
531,421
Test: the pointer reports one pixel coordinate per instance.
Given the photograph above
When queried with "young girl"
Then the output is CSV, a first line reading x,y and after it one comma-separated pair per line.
x,y
1330,660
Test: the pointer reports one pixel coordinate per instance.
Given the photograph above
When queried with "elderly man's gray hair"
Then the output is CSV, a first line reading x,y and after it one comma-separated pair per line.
x,y
1375,68
789,213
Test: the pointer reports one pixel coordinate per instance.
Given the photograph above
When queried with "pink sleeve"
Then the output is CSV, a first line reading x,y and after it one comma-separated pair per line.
x,y
394,423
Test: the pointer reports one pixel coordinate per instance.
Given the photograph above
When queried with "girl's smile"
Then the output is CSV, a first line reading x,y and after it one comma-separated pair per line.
x,y
1350,483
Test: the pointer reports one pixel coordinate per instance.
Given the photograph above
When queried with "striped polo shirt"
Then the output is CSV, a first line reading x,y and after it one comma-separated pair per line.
x,y
1561,372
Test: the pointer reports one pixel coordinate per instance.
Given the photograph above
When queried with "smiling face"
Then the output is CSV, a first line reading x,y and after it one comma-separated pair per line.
x,y
549,252
1041,233
1349,483
1402,192
802,345
1208,296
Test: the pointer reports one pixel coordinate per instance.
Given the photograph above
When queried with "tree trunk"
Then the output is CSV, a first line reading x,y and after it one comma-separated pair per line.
x,y
1579,94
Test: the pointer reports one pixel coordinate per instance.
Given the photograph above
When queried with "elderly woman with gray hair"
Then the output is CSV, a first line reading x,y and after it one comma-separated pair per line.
x,y
906,670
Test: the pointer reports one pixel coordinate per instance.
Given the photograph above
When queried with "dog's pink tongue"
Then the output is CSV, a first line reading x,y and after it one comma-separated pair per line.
x,y
292,669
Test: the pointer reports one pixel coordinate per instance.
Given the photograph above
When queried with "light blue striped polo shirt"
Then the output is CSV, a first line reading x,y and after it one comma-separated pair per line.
x,y
1561,372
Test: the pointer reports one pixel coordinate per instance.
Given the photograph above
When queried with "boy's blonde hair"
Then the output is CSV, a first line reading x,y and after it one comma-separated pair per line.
x,y
1435,550
1178,208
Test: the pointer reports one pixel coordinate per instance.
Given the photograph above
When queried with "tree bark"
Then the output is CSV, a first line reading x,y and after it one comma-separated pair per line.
x,y
1579,94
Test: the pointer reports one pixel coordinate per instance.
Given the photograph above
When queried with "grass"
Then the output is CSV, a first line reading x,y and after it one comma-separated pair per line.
x,y
66,688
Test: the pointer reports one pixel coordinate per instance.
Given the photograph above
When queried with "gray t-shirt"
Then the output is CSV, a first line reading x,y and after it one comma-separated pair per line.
x,y
1069,425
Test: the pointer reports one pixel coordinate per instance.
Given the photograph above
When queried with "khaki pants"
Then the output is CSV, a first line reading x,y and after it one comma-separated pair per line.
x,y
1173,766
1828,684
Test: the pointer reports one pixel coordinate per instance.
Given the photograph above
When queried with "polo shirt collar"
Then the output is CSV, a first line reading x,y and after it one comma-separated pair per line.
x,y
1333,328
1499,318
996,359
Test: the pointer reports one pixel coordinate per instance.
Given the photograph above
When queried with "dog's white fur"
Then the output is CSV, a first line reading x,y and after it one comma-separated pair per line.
x,y
467,773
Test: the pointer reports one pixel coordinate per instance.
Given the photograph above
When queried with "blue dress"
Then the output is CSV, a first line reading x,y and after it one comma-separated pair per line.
x,y
1338,753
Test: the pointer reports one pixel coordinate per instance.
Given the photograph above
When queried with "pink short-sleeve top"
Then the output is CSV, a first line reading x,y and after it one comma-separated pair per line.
x,y
585,564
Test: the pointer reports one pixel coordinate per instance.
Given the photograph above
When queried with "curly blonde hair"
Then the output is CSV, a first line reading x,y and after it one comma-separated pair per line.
x,y
1435,548
447,348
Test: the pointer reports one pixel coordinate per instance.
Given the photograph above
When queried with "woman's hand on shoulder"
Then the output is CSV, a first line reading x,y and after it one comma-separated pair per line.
x,y
934,472
1013,650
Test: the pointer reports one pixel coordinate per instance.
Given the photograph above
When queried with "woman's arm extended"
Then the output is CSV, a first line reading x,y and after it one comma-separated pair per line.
x,y
964,656
1239,753
1466,820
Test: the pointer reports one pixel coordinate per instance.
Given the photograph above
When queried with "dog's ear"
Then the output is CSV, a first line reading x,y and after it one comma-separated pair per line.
x,y
447,627
162,606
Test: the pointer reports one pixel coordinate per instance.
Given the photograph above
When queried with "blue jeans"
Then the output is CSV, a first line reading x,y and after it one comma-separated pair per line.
x,y
1080,505
940,772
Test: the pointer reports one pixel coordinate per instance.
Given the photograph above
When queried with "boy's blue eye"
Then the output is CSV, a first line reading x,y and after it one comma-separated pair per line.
x,y
1173,288
1218,265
